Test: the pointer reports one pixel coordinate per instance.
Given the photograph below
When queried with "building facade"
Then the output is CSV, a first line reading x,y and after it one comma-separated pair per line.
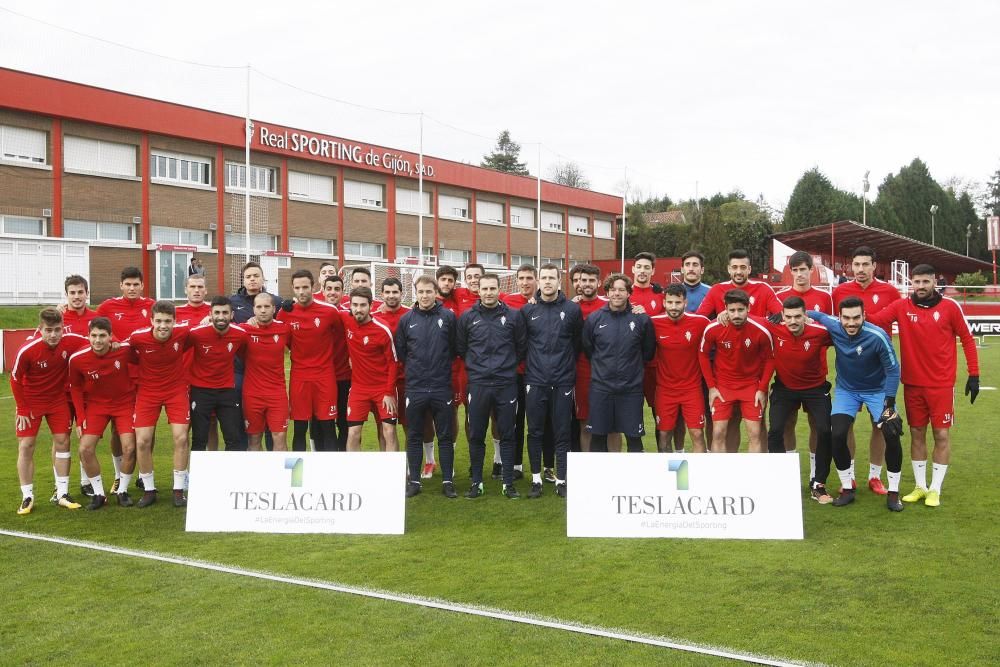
x,y
104,179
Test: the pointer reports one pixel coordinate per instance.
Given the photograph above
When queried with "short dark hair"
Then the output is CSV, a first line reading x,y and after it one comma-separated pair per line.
x,y
693,253
863,251
446,271
131,272
851,302
251,265
364,292
800,257
528,267
303,273
475,266
362,269
587,269
50,317
488,276
323,265
794,302
736,296
675,289
738,253
392,281
615,277
335,278
645,255
102,323
923,270
548,266
76,280
164,308
221,300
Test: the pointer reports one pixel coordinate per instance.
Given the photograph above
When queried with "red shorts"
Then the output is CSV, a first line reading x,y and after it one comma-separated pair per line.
x,y
582,397
459,382
313,398
58,415
929,405
691,404
147,409
741,396
97,419
265,413
361,401
649,387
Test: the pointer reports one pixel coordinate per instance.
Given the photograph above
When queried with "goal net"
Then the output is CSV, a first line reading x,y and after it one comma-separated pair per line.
x,y
407,274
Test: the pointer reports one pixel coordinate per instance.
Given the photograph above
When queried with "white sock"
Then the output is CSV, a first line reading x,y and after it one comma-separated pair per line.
x,y
98,485
27,491
180,480
147,481
62,486
429,452
874,472
519,467
496,451
812,465
846,477
560,481
920,473
938,471
851,470
126,479
187,478
84,480
117,462
536,478
894,480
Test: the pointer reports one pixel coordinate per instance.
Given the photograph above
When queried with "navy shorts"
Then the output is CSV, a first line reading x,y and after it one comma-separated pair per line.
x,y
616,413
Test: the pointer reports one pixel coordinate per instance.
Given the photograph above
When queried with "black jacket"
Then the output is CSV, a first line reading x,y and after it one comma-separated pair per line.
x,y
425,344
553,341
618,344
492,341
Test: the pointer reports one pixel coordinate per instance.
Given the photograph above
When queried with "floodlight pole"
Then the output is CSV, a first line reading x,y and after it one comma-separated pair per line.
x,y
420,196
934,209
624,195
246,166
864,200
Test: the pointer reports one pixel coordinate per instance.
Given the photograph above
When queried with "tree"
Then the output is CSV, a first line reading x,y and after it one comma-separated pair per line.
x,y
992,199
904,203
505,156
814,201
748,227
569,173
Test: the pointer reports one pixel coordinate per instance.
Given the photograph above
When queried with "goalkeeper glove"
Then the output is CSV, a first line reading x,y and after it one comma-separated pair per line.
x,y
972,388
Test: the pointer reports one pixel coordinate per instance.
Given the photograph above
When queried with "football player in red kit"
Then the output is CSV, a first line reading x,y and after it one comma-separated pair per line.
x,y
265,400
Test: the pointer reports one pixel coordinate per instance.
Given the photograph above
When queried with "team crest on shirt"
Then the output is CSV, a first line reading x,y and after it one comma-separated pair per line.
x,y
652,304
875,299
64,354
177,346
276,337
440,323
229,347
937,316
747,343
144,313
316,322
752,300
859,349
687,335
631,326
807,346
503,320
365,340
562,315
118,365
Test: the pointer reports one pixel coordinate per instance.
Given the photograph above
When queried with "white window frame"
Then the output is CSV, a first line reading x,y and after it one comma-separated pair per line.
x,y
178,238
487,212
361,247
405,202
481,258
548,221
451,207
314,187
361,194
234,170
521,259
574,221
611,229
558,261
412,251
8,139
445,257
517,212
5,219
100,146
100,238
235,240
178,163
313,246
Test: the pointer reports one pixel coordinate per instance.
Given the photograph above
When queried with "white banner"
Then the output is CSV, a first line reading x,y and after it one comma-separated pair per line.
x,y
297,492
725,496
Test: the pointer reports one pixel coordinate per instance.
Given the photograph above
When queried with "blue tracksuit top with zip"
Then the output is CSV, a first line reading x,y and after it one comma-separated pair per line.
x,y
866,362
425,344
492,342
553,341
618,343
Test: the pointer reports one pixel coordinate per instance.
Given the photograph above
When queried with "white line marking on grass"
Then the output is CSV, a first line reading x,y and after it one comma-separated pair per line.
x,y
485,612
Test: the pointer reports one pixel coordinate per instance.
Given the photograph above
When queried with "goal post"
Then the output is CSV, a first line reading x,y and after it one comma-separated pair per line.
x,y
407,274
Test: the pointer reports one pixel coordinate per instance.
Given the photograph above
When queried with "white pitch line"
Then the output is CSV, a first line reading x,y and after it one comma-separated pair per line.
x,y
486,612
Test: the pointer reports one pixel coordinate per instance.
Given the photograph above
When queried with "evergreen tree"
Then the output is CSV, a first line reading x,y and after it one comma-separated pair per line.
x,y
814,201
505,156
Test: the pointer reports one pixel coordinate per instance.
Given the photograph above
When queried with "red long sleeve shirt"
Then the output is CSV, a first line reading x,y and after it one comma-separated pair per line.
x,y
816,299
192,315
648,299
315,329
391,319
126,315
78,323
162,371
586,308
212,366
800,361
264,360
39,377
744,355
763,302
101,383
678,368
876,296
373,355
927,341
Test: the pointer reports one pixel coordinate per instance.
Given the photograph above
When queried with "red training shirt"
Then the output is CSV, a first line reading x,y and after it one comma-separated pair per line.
x,y
800,361
101,383
648,299
744,355
126,315
162,371
816,299
373,356
78,323
763,302
876,296
314,329
212,366
39,376
678,369
264,360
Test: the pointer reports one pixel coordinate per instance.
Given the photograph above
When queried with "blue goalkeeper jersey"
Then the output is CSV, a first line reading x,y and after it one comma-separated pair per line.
x,y
866,362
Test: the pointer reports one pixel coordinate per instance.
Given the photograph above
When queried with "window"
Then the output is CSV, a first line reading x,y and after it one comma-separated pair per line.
x,y
180,168
237,241
100,157
406,201
489,212
314,246
357,193
172,272
602,229
491,258
310,186
22,145
579,225
262,179
179,236
364,250
99,231
558,261
453,207
521,216
412,251
453,257
15,224
552,221
518,260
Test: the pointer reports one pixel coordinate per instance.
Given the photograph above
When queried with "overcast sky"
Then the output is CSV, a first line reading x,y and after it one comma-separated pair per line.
x,y
729,95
